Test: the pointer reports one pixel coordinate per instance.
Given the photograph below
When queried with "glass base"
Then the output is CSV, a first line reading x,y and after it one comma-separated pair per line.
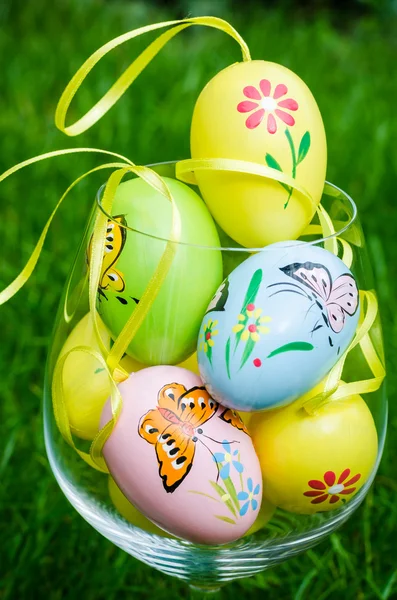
x,y
197,592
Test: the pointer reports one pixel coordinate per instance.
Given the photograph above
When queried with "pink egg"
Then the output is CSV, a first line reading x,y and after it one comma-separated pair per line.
x,y
186,462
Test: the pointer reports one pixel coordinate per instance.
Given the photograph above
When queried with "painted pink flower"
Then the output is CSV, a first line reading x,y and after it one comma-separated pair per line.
x,y
260,101
322,490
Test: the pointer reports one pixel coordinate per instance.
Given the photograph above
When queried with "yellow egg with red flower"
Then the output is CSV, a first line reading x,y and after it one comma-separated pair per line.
x,y
315,461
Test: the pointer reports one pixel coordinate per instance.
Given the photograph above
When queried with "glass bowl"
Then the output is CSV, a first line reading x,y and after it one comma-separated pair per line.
x,y
286,534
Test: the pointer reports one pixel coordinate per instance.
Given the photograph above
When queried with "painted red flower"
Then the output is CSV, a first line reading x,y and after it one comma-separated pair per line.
x,y
322,490
267,103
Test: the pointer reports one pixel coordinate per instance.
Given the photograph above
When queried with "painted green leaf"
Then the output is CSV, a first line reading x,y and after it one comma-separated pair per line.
x,y
232,492
304,146
99,370
249,346
231,508
221,492
206,495
226,519
250,296
292,347
253,289
219,489
227,357
273,164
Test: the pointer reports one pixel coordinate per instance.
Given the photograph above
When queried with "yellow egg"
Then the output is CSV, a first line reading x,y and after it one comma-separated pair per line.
x,y
85,381
130,513
246,418
264,113
317,462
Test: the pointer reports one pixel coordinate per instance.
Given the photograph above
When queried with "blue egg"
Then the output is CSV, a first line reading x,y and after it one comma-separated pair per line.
x,y
277,325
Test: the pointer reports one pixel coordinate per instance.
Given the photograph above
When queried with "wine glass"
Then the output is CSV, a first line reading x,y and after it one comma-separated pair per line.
x,y
206,568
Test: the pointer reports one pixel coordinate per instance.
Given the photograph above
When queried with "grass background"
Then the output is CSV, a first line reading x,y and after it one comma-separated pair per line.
x,y
347,57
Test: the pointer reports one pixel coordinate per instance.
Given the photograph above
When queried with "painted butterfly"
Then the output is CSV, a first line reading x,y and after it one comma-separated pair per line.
x,y
339,297
112,278
230,416
174,428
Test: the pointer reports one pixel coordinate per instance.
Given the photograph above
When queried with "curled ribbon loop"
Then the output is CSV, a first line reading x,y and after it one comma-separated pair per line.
x,y
333,388
153,288
111,360
132,72
98,242
59,406
28,269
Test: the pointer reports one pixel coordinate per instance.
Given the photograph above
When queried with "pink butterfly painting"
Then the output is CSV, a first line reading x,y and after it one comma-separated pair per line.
x,y
339,298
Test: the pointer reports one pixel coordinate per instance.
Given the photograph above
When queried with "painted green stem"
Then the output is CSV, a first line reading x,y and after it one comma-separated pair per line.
x,y
293,152
294,162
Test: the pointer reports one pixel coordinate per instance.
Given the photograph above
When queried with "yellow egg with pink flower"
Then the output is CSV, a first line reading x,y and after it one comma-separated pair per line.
x,y
263,113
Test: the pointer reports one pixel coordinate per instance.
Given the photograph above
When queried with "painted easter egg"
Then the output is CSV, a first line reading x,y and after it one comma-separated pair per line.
x,y
185,462
264,113
86,384
276,326
168,333
317,462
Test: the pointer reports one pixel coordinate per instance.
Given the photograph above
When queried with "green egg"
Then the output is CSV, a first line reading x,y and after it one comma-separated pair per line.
x,y
168,334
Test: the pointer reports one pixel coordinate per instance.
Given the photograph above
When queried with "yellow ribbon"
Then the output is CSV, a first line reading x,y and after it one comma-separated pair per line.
x,y
185,171
347,252
28,269
132,72
138,315
60,409
333,390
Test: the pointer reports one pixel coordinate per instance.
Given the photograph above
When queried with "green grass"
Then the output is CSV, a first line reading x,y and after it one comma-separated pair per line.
x,y
46,549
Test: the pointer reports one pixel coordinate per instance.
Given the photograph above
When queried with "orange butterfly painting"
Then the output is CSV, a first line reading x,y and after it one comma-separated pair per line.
x,y
230,416
174,428
111,278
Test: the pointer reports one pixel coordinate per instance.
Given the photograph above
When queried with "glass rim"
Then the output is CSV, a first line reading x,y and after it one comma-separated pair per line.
x,y
316,241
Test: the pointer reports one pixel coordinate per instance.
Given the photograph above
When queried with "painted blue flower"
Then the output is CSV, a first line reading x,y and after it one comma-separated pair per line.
x,y
227,458
246,497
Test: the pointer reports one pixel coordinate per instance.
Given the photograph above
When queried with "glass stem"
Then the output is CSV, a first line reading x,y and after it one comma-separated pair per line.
x,y
204,593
